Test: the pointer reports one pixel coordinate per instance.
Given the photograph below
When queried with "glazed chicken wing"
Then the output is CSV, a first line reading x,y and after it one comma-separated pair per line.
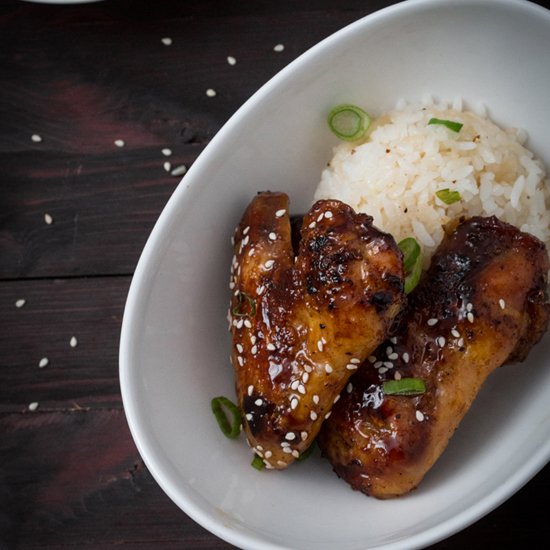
x,y
301,324
482,303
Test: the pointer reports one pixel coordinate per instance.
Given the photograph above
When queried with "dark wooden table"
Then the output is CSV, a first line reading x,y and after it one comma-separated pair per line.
x,y
75,212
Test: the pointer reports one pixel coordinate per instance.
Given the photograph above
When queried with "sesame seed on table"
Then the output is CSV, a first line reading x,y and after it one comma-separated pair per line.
x,y
103,109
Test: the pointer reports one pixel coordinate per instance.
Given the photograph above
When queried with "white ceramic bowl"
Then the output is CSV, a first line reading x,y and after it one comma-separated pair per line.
x,y
175,344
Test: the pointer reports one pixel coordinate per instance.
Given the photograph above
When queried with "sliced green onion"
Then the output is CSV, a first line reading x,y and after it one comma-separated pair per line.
x,y
257,463
306,453
348,122
448,196
412,262
243,300
405,386
411,251
230,428
451,124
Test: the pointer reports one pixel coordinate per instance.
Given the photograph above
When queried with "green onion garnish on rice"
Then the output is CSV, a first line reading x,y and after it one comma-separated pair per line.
x,y
348,122
448,196
451,124
230,427
405,386
412,262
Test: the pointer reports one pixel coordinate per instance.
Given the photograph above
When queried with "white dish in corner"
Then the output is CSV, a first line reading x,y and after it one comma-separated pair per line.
x,y
175,345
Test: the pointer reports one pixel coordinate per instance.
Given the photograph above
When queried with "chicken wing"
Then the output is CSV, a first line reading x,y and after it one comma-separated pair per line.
x,y
301,324
482,303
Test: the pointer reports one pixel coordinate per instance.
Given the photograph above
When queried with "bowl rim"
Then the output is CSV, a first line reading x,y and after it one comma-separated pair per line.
x,y
142,277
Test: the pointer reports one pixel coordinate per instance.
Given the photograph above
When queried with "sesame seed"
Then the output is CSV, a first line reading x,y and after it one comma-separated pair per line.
x,y
372,358
351,367
258,402
239,348
43,362
303,435
406,357
20,303
382,370
328,214
294,403
431,322
388,364
260,290
502,303
305,377
246,230
240,360
240,323
336,399
73,342
469,306
470,317
419,416
254,350
440,340
268,454
389,350
250,389
295,454
354,361
167,166
252,339
278,48
36,138
167,41
231,60
328,414
460,342
328,368
294,385
312,224
247,323
179,170
33,406
246,240
211,92
455,333
378,364
287,450
251,252
271,347
290,436
248,416
315,399
269,264
393,339
280,213
307,368
166,152
393,356
231,285
120,142
302,389
349,387
313,415
272,236
397,375
48,219
319,345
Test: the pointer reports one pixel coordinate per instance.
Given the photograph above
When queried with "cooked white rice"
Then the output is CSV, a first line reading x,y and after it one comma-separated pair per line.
x,y
393,174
